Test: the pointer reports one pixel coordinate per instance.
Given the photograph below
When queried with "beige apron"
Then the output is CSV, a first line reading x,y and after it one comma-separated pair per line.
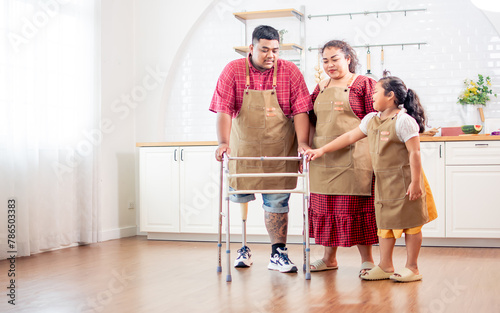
x,y
262,129
347,171
391,163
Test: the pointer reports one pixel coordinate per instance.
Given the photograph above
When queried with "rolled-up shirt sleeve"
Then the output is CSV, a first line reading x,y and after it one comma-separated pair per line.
x,y
224,97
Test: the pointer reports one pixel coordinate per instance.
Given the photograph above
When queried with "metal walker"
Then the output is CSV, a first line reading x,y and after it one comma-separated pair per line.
x,y
224,198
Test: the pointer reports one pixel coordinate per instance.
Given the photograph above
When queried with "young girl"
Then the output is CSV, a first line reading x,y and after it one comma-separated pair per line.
x,y
400,200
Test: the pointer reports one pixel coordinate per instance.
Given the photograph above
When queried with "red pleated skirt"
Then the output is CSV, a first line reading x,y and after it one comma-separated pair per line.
x,y
342,221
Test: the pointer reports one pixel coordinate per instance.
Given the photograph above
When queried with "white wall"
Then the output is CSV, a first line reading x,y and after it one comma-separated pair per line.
x,y
161,28
461,44
118,147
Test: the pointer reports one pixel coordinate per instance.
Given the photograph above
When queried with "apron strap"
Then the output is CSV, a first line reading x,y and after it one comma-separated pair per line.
x,y
247,84
275,75
326,86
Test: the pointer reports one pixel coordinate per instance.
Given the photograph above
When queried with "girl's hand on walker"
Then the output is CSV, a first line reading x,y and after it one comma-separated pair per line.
x,y
414,191
313,154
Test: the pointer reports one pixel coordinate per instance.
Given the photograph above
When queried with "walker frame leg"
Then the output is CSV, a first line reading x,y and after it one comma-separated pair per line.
x,y
305,169
219,243
228,245
226,213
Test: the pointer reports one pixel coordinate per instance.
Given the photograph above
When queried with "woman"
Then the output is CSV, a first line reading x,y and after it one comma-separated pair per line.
x,y
342,204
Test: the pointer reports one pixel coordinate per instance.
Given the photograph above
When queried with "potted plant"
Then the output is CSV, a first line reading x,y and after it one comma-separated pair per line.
x,y
282,33
475,93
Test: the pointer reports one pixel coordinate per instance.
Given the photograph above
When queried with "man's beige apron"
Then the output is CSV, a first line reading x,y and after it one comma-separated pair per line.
x,y
347,171
391,163
262,129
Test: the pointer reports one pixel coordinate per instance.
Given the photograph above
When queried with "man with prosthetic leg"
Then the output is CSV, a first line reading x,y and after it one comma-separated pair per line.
x,y
261,104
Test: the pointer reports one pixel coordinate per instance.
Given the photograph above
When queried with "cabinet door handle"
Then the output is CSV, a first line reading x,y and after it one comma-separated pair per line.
x,y
175,155
440,154
481,145
182,150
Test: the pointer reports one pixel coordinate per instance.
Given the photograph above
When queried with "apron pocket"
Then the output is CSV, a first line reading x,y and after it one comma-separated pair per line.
x,y
324,112
390,185
255,117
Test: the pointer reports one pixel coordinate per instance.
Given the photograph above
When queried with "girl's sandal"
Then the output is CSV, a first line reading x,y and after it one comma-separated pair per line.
x,y
406,275
365,267
376,273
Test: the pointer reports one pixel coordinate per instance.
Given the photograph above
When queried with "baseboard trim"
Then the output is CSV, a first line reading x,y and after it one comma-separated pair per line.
x,y
118,233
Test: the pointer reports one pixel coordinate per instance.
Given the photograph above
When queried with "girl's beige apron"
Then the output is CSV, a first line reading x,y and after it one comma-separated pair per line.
x,y
262,129
347,171
391,163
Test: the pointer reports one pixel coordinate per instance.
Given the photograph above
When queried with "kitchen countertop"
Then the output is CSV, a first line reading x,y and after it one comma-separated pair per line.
x,y
214,143
459,138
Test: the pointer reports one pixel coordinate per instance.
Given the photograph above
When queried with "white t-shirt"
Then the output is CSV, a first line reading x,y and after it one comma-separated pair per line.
x,y
406,126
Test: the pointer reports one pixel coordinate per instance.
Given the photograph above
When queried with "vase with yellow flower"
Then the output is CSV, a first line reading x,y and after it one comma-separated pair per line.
x,y
474,98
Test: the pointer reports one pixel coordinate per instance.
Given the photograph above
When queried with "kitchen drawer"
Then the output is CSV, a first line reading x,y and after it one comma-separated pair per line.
x,y
473,153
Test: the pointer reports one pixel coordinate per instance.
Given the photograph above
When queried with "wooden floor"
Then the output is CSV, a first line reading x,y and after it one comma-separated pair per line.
x,y
137,275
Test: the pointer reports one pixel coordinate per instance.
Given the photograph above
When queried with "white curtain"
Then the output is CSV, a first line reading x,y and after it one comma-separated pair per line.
x,y
49,122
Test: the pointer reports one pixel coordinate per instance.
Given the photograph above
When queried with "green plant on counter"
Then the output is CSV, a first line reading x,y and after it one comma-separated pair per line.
x,y
476,92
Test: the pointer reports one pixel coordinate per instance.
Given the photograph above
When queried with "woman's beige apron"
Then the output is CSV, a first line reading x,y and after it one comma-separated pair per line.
x,y
347,171
390,159
262,129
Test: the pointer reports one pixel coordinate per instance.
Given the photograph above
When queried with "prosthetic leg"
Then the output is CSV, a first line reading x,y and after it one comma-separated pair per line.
x,y
244,214
244,258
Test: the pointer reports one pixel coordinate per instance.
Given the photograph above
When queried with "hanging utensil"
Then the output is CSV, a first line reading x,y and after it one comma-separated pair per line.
x,y
382,58
318,75
369,65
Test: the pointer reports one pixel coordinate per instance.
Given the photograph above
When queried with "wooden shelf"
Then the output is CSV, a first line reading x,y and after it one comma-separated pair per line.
x,y
268,14
243,50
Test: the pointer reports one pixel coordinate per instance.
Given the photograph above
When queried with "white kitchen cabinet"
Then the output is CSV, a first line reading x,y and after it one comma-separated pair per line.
x,y
199,178
159,189
472,195
179,189
433,163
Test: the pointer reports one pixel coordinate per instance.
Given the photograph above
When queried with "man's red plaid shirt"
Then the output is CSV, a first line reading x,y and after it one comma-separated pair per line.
x,y
291,89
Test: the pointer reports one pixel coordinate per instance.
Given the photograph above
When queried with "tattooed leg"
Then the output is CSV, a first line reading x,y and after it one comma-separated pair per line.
x,y
277,226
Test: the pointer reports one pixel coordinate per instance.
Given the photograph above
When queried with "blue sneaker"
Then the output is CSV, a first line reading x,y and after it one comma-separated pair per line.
x,y
244,258
280,262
